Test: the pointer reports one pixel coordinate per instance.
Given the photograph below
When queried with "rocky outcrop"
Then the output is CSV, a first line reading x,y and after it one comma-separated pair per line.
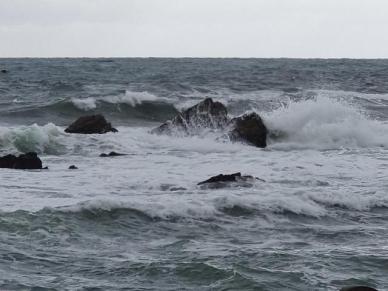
x,y
73,167
204,115
4,71
249,128
222,180
24,161
90,124
111,154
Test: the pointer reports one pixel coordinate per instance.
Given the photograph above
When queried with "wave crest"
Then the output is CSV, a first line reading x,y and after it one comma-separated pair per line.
x,y
130,98
324,123
33,138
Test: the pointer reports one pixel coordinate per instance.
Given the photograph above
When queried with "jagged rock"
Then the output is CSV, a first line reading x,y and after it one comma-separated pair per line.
x,y
222,180
90,124
111,154
23,161
249,128
206,114
358,288
73,167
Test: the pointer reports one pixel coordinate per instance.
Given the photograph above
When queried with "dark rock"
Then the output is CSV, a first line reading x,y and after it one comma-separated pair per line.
x,y
45,168
90,124
73,167
206,114
111,154
4,71
249,128
8,161
24,161
358,288
222,178
221,181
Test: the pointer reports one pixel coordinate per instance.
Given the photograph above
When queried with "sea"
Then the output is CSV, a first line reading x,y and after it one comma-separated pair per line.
x,y
316,220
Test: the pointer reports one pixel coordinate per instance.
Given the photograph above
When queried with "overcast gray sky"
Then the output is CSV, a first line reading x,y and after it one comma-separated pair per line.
x,y
194,28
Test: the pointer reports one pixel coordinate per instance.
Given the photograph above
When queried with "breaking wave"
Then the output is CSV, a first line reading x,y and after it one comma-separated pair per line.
x,y
131,98
34,138
324,123
304,205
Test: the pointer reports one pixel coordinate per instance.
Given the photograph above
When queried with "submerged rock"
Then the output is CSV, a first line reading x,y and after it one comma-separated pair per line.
x,y
358,288
73,167
23,161
111,154
205,115
222,180
90,124
4,71
249,128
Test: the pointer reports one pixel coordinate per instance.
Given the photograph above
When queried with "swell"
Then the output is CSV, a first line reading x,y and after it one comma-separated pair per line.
x,y
232,209
65,111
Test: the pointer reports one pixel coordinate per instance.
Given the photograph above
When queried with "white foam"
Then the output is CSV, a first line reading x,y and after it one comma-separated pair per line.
x,y
85,104
324,123
131,98
35,138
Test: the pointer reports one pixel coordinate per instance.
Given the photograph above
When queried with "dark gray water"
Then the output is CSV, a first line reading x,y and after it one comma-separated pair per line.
x,y
139,222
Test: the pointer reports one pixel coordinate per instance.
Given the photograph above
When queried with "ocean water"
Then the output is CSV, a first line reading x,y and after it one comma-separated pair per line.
x,y
318,221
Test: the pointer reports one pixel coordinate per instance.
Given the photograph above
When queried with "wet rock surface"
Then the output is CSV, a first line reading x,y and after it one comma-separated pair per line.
x,y
226,180
91,124
249,128
206,114
23,161
210,115
111,154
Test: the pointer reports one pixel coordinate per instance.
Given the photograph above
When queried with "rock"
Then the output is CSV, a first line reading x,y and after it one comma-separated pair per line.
x,y
222,180
73,167
249,128
205,115
4,71
90,124
24,161
111,154
8,161
358,288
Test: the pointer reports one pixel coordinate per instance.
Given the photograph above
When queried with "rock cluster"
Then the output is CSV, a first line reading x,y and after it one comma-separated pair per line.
x,y
212,115
24,161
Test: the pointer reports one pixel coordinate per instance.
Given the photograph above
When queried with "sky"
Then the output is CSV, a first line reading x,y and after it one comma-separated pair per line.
x,y
194,28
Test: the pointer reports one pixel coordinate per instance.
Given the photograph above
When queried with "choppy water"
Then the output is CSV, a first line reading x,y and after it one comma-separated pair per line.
x,y
139,222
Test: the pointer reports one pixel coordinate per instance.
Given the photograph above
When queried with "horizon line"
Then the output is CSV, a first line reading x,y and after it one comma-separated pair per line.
x,y
191,57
